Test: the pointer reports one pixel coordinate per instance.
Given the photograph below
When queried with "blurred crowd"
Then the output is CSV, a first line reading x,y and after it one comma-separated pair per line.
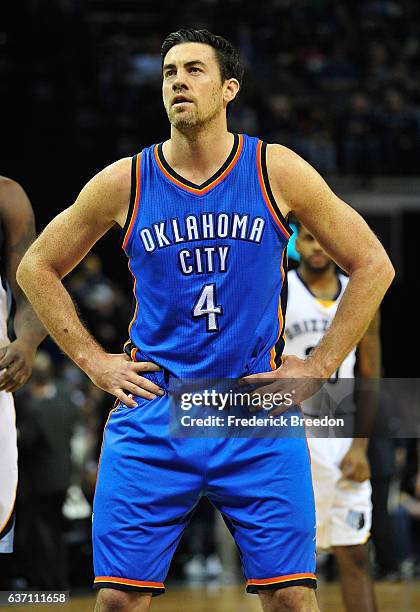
x,y
60,420
337,81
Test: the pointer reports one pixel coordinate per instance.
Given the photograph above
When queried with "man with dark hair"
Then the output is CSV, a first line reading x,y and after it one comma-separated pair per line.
x,y
340,467
17,232
205,233
230,64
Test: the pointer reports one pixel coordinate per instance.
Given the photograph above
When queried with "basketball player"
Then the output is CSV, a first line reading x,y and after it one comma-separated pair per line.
x,y
340,467
17,232
205,234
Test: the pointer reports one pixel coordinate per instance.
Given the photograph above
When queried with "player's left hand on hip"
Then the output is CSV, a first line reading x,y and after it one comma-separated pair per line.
x,y
355,465
295,377
15,365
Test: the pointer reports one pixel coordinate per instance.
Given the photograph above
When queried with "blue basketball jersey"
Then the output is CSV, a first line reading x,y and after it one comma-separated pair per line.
x,y
209,266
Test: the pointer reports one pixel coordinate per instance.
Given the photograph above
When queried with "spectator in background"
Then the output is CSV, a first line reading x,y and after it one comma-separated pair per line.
x,y
104,308
46,414
324,51
317,145
405,505
388,553
280,120
401,134
361,145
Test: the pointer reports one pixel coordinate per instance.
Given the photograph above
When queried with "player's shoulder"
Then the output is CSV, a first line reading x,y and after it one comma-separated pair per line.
x,y
117,172
280,157
107,192
290,176
14,203
5,180
112,181
8,185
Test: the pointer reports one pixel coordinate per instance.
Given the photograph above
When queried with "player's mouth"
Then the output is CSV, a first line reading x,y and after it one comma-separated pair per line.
x,y
180,100
318,259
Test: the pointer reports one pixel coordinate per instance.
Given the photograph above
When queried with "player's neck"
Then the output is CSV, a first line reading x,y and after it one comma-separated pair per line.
x,y
200,154
324,284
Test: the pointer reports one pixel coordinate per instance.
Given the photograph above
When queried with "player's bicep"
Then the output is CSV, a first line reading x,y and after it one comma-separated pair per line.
x,y
340,230
68,238
19,226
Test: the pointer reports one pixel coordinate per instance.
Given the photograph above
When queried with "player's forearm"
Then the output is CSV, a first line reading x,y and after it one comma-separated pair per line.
x,y
367,384
361,299
360,443
55,309
27,326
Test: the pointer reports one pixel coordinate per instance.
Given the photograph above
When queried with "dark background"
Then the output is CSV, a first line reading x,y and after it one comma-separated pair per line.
x,y
80,86
336,81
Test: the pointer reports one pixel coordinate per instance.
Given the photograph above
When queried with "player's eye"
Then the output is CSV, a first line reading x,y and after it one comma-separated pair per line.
x,y
169,73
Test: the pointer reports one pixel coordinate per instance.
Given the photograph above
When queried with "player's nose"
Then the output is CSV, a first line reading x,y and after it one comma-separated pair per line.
x,y
179,82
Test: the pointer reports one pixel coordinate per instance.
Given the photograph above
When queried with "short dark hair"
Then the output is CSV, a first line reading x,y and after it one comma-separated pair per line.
x,y
229,61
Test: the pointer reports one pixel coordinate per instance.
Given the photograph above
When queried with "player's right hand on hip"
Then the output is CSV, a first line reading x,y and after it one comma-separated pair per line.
x,y
118,375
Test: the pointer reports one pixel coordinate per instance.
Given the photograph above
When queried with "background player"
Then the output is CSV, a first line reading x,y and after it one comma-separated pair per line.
x,y
17,232
201,76
340,467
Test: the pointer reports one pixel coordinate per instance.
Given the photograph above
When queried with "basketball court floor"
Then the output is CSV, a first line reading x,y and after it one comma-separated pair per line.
x,y
392,597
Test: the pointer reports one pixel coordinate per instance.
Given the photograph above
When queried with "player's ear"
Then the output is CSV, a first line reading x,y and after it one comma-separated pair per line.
x,y
231,88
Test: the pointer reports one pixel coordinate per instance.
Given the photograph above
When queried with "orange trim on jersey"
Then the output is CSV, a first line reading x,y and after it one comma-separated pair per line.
x,y
278,579
265,193
135,298
197,190
273,354
136,203
139,583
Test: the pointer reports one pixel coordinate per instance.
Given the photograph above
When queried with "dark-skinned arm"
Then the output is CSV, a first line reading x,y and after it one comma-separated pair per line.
x,y
355,464
19,228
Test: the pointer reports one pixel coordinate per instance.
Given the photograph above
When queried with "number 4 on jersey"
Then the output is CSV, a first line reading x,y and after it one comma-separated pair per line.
x,y
205,306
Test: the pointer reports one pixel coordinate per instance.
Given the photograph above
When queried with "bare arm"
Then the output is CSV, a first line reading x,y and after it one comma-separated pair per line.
x,y
346,237
63,244
355,463
19,230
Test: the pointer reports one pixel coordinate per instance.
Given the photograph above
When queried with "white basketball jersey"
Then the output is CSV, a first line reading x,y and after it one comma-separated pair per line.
x,y
4,305
8,447
4,312
307,320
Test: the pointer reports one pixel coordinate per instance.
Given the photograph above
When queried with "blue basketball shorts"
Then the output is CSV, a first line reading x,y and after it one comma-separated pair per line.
x,y
149,483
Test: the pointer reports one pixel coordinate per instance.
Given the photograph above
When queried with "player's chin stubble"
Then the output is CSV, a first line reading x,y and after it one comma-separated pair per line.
x,y
183,121
318,269
193,119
